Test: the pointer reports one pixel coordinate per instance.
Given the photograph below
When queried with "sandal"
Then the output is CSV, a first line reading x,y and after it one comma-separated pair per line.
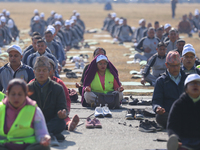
x,y
72,125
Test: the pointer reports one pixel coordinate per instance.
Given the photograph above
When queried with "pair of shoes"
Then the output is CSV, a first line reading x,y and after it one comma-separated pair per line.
x,y
145,126
172,143
130,114
86,45
76,47
54,141
101,112
71,75
155,125
95,123
60,137
142,102
72,125
139,115
134,101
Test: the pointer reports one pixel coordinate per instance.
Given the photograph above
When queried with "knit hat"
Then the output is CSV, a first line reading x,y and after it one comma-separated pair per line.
x,y
42,61
173,57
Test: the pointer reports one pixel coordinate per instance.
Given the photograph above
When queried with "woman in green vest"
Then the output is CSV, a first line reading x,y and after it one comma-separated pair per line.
x,y
100,77
22,124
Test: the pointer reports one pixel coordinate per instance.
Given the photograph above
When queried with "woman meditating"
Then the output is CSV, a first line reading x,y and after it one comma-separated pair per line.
x,y
22,124
100,77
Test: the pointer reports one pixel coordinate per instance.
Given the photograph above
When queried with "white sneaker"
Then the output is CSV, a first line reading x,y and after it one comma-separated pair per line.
x,y
172,142
99,112
106,111
54,141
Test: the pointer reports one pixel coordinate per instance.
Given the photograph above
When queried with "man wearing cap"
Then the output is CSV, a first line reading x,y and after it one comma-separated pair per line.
x,y
111,22
107,19
140,30
51,17
168,88
36,13
125,33
157,63
2,36
8,35
167,28
188,61
114,27
184,121
72,36
13,29
196,19
37,26
171,44
80,22
147,45
42,20
50,97
180,44
15,68
77,29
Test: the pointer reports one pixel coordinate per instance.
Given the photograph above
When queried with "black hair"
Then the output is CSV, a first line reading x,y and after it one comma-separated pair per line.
x,y
40,41
180,40
160,29
17,81
47,32
35,33
97,49
36,37
156,22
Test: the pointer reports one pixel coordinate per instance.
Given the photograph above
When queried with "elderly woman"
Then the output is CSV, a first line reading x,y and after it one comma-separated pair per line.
x,y
22,123
100,77
184,117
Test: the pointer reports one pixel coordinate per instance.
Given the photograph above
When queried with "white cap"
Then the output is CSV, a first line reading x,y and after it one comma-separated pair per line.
x,y
4,10
56,16
77,14
36,18
74,11
10,23
52,12
121,21
1,14
35,11
71,22
51,29
42,15
113,15
3,19
58,23
116,19
101,57
188,45
59,16
167,25
188,50
67,23
191,77
14,48
196,12
73,18
7,13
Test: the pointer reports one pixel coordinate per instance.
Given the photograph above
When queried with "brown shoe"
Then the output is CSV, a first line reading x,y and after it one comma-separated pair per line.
x,y
72,125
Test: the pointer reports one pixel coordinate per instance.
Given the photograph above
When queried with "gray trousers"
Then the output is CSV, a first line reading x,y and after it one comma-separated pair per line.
x,y
125,39
151,79
35,146
91,97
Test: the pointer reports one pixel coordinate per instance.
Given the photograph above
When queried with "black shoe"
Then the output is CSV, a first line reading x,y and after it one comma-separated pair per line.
x,y
142,102
125,100
86,45
67,70
149,112
76,47
120,43
69,75
145,126
60,137
155,125
134,102
130,114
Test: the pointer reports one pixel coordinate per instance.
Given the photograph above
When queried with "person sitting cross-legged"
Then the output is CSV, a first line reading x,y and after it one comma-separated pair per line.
x,y
184,121
157,63
168,88
50,98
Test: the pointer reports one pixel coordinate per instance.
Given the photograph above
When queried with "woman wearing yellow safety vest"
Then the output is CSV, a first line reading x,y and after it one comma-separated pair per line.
x,y
22,124
100,77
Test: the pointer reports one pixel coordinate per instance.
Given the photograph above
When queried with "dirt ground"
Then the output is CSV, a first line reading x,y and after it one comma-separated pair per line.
x,y
94,15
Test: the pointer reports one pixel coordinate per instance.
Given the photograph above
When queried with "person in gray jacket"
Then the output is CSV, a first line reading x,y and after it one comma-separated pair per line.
x,y
80,22
171,44
125,33
2,36
157,63
147,45
15,68
37,26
